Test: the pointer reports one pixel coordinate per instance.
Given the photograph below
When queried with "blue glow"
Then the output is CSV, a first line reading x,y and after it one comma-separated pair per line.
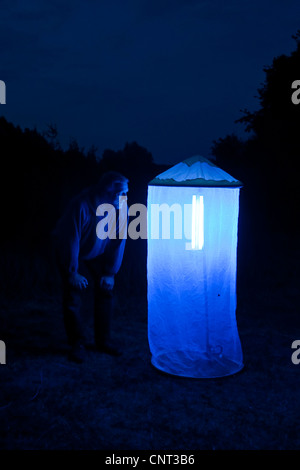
x,y
192,328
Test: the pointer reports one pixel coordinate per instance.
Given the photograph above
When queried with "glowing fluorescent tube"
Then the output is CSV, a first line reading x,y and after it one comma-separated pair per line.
x,y
197,223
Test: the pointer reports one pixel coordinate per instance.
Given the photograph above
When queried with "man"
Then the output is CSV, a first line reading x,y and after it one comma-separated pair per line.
x,y
76,241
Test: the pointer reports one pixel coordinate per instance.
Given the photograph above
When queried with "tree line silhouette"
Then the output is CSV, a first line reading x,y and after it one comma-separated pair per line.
x,y
38,178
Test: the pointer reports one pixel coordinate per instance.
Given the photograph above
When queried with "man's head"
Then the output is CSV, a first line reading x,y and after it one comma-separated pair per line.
x,y
114,185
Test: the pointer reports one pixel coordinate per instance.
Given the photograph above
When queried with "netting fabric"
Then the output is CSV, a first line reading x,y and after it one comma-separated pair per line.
x,y
192,328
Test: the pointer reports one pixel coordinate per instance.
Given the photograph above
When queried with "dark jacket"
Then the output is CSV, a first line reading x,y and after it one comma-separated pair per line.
x,y
75,236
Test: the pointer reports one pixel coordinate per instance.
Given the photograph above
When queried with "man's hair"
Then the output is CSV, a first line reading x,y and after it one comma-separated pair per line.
x,y
111,181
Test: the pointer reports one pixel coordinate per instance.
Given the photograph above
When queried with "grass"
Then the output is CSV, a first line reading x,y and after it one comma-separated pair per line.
x,y
47,402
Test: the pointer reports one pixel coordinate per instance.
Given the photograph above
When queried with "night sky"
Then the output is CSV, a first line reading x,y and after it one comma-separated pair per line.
x,y
171,75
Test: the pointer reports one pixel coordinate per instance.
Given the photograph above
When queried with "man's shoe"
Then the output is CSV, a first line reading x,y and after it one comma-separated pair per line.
x,y
77,353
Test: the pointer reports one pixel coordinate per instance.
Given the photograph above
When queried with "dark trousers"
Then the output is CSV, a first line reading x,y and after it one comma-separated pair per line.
x,y
72,307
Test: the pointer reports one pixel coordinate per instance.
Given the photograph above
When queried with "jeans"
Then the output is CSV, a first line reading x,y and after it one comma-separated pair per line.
x,y
72,303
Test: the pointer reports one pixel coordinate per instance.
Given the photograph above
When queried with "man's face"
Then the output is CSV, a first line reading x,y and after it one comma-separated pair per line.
x,y
122,193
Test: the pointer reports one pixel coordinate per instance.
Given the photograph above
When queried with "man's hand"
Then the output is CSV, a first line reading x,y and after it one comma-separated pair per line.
x,y
107,282
78,281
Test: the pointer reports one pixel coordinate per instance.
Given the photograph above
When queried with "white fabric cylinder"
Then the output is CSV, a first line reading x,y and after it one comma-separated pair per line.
x,y
192,327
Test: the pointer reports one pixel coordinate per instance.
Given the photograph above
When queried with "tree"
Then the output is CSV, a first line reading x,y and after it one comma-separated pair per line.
x,y
133,160
273,150
229,152
276,123
51,135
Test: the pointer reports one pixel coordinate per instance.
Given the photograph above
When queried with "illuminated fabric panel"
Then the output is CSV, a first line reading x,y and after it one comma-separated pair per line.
x,y
192,328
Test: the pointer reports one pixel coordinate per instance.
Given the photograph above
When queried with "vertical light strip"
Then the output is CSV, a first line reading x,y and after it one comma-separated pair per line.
x,y
197,223
194,223
201,223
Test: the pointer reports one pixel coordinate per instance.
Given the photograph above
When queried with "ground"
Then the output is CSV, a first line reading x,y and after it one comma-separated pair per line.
x,y
47,402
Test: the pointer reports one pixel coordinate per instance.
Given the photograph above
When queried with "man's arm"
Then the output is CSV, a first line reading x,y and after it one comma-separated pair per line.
x,y
113,256
70,231
114,253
